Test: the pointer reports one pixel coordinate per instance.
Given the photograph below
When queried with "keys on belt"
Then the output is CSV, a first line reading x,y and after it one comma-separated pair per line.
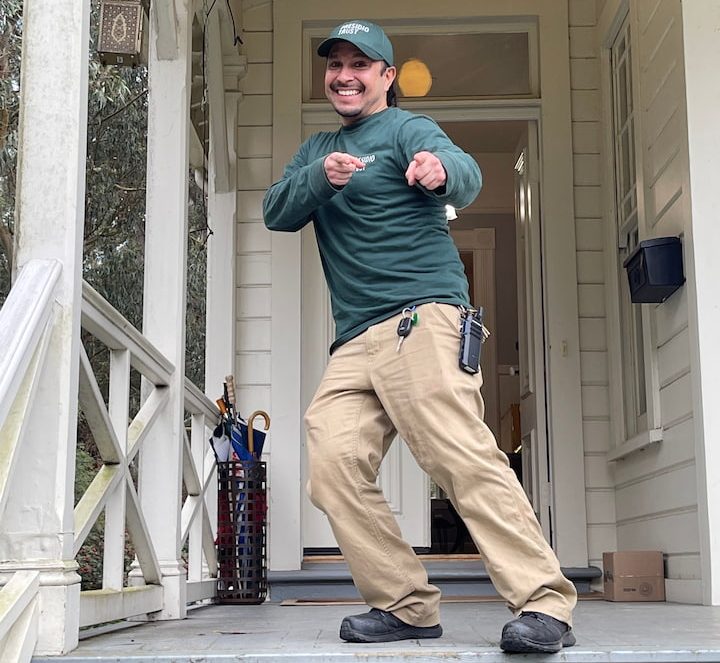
x,y
408,319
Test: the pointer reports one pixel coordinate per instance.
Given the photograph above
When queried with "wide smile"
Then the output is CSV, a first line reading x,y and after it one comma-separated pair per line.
x,y
347,92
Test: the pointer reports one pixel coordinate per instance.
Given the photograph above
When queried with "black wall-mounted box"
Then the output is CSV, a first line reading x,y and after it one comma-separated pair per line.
x,y
655,270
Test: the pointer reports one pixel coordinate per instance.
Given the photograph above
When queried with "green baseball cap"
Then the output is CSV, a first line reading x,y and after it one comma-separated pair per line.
x,y
368,37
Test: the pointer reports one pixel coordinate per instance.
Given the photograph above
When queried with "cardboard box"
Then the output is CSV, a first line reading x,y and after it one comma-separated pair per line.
x,y
634,575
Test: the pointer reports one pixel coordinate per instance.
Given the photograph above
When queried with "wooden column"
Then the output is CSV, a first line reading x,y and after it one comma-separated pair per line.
x,y
165,289
701,25
36,530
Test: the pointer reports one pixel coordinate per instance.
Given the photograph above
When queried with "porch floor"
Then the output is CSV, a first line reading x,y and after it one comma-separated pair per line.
x,y
607,632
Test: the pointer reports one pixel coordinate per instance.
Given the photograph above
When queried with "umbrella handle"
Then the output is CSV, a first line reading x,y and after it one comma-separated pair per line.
x,y
251,418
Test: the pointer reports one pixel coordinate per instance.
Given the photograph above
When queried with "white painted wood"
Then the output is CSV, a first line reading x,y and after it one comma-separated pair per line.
x,y
531,341
197,403
144,420
200,590
255,110
221,265
216,98
91,504
140,535
19,644
49,225
24,364
118,411
700,24
259,46
637,443
254,173
190,477
110,327
197,451
93,407
662,207
15,597
100,606
165,32
25,316
164,310
19,617
285,536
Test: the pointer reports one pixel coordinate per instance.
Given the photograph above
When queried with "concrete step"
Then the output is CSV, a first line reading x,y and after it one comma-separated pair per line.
x,y
331,580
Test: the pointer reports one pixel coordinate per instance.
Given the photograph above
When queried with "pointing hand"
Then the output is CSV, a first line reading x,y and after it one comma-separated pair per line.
x,y
339,167
426,169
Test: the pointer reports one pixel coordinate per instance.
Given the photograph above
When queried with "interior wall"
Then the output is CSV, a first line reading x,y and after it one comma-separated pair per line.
x,y
505,279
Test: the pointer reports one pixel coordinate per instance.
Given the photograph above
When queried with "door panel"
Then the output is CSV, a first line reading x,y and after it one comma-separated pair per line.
x,y
531,330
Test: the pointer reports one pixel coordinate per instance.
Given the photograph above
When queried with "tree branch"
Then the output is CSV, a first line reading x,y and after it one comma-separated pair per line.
x,y
6,238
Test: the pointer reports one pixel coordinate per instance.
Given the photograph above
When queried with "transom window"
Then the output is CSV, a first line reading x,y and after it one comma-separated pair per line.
x,y
492,63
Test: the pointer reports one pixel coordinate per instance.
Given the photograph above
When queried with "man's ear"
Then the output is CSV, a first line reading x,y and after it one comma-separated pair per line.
x,y
390,74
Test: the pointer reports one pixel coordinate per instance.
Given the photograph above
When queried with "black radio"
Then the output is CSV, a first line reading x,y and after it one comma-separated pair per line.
x,y
472,336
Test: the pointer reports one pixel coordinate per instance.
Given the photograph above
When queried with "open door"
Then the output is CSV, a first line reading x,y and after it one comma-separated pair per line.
x,y
531,335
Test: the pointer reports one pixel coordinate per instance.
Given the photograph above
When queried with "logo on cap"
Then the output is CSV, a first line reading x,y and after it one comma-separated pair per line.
x,y
352,29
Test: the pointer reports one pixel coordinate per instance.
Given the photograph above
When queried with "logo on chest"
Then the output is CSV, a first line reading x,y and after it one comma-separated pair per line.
x,y
367,159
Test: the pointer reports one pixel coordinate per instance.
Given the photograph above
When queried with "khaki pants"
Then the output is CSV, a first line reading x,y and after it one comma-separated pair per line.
x,y
368,393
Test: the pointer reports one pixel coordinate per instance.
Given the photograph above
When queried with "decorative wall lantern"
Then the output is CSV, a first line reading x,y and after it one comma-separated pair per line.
x,y
655,270
122,36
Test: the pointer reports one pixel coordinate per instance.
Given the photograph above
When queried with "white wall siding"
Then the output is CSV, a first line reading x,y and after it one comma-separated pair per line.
x,y
587,160
254,150
672,517
656,489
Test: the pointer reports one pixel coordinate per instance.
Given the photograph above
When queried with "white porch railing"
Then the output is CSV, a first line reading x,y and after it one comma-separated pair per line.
x,y
113,488
25,326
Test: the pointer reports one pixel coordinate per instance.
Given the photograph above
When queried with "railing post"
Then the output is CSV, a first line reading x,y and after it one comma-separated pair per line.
x,y
160,474
118,409
36,530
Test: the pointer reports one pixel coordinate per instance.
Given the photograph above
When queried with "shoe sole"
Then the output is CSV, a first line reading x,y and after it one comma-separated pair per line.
x,y
348,634
516,645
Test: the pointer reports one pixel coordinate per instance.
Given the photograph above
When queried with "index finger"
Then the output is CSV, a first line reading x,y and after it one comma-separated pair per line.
x,y
350,159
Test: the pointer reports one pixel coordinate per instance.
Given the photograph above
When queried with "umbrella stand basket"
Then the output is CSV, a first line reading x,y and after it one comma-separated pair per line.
x,y
241,539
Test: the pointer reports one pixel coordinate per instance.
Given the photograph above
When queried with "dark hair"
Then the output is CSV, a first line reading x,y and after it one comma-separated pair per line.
x,y
391,98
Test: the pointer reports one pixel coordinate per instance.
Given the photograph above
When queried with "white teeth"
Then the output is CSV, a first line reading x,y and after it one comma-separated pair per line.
x,y
348,93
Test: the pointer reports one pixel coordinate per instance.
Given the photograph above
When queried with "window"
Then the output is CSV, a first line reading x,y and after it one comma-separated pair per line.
x,y
497,61
626,212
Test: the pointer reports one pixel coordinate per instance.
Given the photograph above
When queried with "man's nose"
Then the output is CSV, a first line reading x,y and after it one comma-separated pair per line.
x,y
346,74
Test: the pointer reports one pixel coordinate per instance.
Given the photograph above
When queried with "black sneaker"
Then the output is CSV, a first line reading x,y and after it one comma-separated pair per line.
x,y
536,632
380,626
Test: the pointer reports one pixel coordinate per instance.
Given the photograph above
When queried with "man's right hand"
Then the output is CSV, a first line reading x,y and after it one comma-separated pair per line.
x,y
339,167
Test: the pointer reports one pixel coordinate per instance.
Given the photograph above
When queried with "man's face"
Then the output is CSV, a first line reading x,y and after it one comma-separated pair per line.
x,y
355,85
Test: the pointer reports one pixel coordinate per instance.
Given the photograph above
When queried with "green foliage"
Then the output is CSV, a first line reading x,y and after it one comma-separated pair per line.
x,y
10,45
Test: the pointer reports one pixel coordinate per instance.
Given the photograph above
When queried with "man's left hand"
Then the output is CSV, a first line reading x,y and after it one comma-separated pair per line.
x,y
426,169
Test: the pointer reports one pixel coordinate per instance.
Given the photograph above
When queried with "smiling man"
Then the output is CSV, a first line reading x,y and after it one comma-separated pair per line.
x,y
376,191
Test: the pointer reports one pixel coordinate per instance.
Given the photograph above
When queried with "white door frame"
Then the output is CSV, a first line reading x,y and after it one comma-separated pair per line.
x,y
563,348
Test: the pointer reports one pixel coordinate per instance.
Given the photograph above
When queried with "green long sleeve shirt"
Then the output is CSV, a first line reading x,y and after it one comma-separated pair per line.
x,y
384,245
